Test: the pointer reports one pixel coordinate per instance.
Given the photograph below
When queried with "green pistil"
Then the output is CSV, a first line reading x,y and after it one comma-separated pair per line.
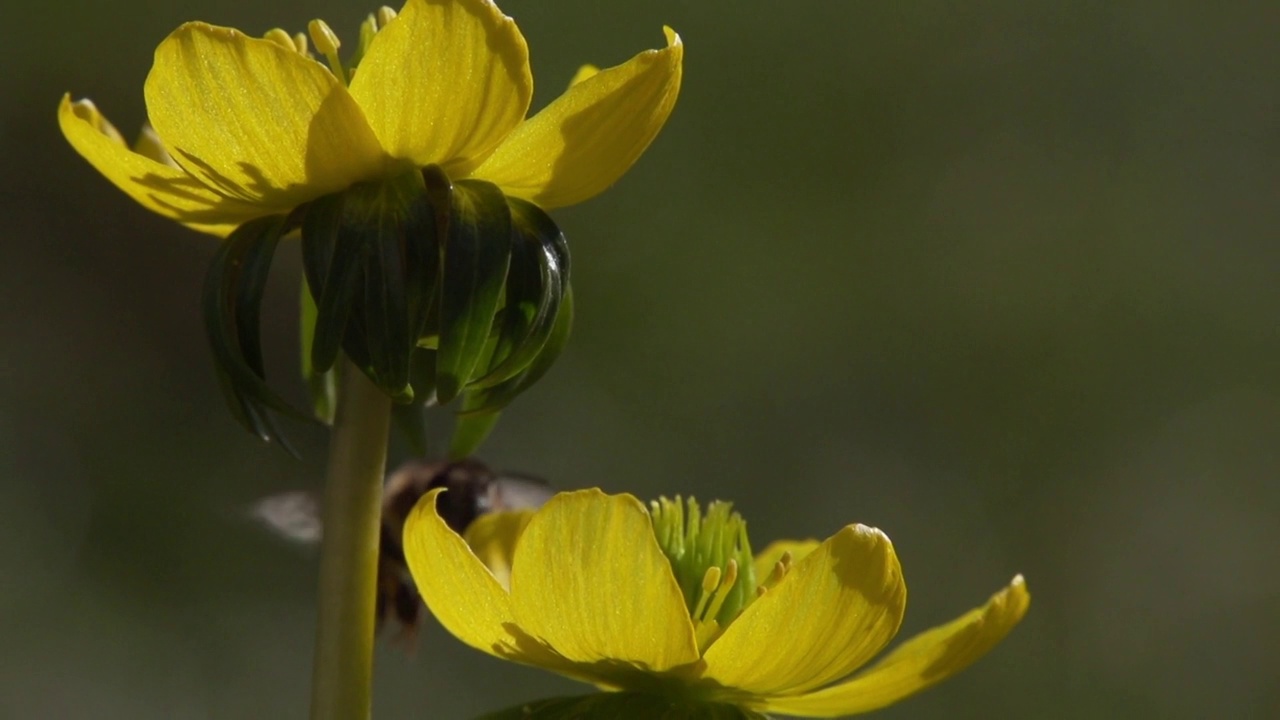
x,y
710,557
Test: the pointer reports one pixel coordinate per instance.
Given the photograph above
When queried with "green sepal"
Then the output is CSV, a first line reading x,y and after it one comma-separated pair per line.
x,y
423,248
480,408
371,256
624,706
496,398
389,216
535,287
333,265
232,302
322,386
476,255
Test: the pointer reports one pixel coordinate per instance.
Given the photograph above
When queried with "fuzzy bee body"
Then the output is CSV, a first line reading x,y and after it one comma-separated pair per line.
x,y
472,490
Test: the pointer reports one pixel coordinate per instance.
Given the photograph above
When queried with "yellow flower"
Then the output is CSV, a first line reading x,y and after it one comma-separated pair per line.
x,y
591,587
247,127
416,183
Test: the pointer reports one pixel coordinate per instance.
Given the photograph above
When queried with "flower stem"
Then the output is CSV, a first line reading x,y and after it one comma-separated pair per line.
x,y
342,674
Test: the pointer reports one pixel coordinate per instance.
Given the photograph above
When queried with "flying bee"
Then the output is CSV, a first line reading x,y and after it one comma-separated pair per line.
x,y
472,490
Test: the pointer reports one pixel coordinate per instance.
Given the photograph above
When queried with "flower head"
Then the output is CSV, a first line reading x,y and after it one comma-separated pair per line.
x,y
414,178
670,603
246,127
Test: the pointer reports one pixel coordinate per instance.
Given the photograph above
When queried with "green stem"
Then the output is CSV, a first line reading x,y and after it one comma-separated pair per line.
x,y
342,675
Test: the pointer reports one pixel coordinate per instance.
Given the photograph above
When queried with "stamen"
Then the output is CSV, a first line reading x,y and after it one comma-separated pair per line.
x,y
281,38
704,633
722,593
327,44
385,16
300,42
584,72
710,581
779,571
368,29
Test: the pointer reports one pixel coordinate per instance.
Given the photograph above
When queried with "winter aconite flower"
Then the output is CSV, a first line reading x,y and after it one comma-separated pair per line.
x,y
669,608
417,182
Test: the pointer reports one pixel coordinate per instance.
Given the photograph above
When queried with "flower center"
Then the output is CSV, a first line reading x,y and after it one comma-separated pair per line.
x,y
711,559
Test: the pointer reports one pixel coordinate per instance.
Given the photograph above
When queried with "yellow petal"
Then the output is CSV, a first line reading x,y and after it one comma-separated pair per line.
x,y
590,580
456,586
835,609
587,138
493,537
444,82
767,558
256,121
922,661
158,187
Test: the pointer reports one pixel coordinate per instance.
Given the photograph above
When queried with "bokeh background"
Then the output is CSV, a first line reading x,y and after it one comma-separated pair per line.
x,y
997,277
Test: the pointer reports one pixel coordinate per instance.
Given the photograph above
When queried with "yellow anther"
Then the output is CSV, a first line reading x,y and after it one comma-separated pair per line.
x,y
779,571
327,44
583,73
710,582
760,591
281,38
324,37
385,15
730,573
301,44
722,593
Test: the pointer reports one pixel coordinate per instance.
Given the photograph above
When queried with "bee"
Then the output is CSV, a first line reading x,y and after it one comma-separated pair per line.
x,y
473,489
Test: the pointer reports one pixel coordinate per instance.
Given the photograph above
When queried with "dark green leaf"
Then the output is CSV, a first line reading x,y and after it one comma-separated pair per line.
x,y
477,253
480,408
232,298
423,250
322,386
320,221
389,216
386,314
336,259
535,286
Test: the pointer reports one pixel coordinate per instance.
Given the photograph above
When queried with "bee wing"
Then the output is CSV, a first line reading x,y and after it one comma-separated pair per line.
x,y
515,492
292,515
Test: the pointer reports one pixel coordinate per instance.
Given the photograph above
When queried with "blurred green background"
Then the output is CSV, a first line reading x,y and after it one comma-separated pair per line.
x,y
998,277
